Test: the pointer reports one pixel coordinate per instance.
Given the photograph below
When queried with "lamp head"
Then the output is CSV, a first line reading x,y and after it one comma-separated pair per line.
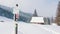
x,y
17,5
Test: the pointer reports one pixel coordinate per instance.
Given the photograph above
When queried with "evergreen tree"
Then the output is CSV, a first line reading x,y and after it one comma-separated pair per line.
x,y
57,20
35,13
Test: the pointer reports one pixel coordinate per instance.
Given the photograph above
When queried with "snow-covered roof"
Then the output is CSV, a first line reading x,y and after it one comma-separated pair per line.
x,y
37,19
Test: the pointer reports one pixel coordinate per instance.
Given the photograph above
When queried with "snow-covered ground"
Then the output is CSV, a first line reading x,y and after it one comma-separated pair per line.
x,y
38,29
7,26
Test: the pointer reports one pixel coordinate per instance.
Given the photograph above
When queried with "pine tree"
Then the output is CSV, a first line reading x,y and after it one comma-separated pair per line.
x,y
57,20
35,13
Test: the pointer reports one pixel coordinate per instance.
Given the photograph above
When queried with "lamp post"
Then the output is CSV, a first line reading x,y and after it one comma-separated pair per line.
x,y
16,17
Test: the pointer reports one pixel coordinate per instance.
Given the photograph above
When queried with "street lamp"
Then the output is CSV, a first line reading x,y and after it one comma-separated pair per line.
x,y
16,17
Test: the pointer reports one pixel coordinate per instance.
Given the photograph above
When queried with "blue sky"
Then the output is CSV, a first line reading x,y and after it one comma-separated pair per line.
x,y
46,8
